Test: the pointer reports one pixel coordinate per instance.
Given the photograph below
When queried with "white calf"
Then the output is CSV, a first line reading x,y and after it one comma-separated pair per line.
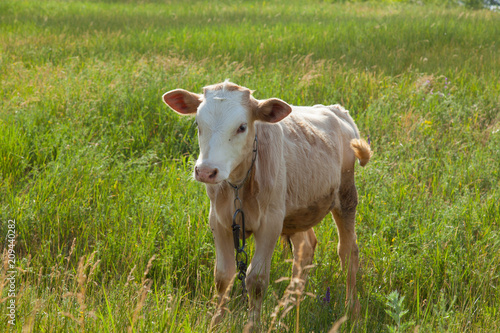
x,y
304,169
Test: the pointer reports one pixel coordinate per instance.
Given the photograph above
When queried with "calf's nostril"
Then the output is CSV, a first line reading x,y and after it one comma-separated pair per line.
x,y
214,174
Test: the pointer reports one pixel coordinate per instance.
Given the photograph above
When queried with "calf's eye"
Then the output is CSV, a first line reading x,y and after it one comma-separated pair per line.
x,y
242,128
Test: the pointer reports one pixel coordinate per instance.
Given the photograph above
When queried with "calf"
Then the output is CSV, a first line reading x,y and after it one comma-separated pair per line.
x,y
303,169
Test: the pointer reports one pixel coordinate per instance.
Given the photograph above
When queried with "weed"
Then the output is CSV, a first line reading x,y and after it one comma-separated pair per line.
x,y
395,309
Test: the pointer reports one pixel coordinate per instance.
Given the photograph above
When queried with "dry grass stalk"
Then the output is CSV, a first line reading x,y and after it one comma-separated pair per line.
x,y
293,294
130,277
140,304
3,274
68,258
336,325
82,280
92,270
221,309
148,267
30,320
39,282
145,288
249,327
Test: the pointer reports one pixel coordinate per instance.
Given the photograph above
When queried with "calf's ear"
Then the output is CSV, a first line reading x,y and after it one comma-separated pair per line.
x,y
272,110
182,101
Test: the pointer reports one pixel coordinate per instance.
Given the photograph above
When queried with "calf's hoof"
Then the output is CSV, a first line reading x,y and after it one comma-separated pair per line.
x,y
354,309
216,320
251,327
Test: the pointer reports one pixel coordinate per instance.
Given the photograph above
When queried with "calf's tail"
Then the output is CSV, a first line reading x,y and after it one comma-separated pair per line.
x,y
361,150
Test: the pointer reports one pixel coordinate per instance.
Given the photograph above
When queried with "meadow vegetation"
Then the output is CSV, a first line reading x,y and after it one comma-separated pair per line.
x,y
112,232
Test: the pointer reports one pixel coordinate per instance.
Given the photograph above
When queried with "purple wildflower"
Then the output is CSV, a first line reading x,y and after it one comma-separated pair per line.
x,y
326,299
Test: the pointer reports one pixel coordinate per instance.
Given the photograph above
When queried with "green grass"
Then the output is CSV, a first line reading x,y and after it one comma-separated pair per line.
x,y
96,170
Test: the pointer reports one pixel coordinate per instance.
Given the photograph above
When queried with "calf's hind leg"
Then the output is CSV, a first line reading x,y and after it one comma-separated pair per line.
x,y
344,214
304,244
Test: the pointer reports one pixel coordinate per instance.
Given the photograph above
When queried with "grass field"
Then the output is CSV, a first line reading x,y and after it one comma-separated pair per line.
x,y
112,232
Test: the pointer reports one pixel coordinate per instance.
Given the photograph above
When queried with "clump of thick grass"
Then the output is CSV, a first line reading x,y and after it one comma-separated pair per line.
x,y
62,298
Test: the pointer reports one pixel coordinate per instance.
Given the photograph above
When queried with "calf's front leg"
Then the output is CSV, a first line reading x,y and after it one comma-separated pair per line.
x,y
225,265
258,272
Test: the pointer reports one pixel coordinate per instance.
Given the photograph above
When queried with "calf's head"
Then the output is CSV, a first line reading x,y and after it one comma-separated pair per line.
x,y
225,114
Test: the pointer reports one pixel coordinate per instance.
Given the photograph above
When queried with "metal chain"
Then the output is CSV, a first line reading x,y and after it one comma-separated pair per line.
x,y
241,255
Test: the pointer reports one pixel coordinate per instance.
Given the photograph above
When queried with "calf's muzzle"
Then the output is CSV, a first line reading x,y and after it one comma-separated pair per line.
x,y
206,174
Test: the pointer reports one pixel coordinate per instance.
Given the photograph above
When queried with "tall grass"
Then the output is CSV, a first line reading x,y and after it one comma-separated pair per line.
x,y
96,171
